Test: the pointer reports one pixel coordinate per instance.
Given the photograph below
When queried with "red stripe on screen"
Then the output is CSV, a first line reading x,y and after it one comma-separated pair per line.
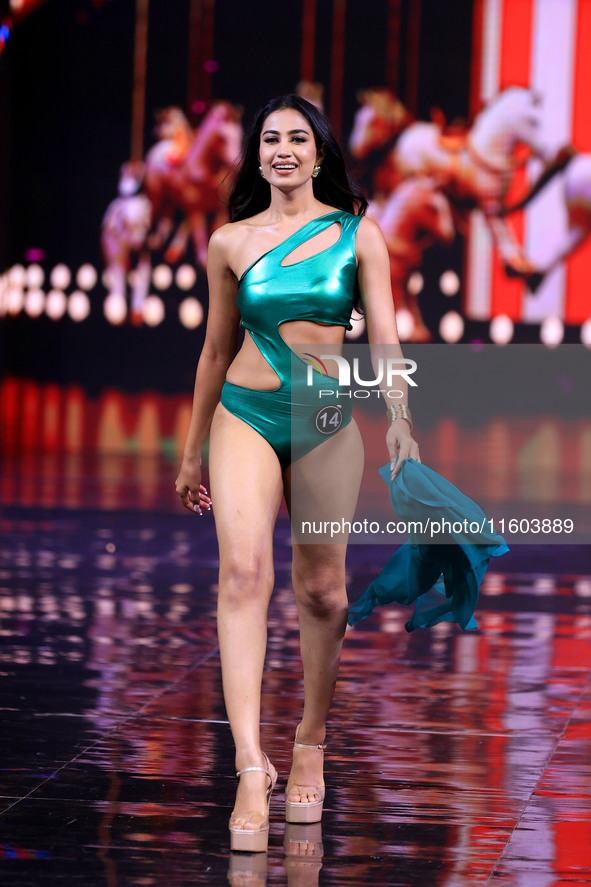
x,y
577,307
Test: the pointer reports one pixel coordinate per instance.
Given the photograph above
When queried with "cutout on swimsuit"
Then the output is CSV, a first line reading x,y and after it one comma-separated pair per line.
x,y
313,246
320,288
273,385
289,238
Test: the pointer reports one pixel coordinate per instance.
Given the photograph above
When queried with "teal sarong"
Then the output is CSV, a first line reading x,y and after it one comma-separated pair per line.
x,y
440,573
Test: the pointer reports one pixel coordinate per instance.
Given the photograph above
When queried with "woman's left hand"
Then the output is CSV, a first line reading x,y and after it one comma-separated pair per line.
x,y
401,445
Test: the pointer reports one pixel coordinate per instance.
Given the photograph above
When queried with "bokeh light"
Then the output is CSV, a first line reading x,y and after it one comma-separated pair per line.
x,y
60,277
415,283
55,304
35,254
78,306
14,300
501,329
17,276
358,322
162,277
404,323
34,276
586,333
115,308
186,277
449,283
86,277
35,302
191,313
582,588
552,332
451,327
153,311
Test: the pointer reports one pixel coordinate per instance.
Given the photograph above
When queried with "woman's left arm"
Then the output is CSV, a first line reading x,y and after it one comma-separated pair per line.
x,y
373,273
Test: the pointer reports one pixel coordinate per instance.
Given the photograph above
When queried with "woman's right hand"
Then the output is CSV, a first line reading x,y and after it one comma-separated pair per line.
x,y
189,488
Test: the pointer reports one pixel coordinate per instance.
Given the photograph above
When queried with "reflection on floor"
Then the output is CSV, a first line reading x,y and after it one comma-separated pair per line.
x,y
454,758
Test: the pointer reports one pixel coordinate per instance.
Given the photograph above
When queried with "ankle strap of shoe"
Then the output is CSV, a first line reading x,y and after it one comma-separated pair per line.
x,y
259,769
301,745
252,770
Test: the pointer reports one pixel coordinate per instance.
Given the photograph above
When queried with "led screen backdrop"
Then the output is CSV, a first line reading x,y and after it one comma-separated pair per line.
x,y
543,46
122,122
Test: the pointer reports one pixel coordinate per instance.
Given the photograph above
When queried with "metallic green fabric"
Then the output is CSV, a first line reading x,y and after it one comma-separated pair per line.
x,y
320,288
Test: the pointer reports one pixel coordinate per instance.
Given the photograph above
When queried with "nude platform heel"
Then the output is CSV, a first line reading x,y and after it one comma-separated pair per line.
x,y
310,811
254,840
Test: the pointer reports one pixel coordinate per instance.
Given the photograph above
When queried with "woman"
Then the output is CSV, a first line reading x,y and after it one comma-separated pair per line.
x,y
292,201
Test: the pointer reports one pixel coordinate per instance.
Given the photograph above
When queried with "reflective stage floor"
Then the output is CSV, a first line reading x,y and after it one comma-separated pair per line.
x,y
454,758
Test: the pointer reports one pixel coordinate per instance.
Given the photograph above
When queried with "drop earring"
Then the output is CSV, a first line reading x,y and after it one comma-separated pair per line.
x,y
261,173
316,171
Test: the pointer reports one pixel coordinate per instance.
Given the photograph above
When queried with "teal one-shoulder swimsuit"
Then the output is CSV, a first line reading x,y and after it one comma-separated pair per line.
x,y
320,288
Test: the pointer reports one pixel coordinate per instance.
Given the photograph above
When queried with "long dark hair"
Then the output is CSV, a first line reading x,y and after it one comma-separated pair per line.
x,y
251,193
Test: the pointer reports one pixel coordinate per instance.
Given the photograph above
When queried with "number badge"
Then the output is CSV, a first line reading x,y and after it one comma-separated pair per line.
x,y
329,419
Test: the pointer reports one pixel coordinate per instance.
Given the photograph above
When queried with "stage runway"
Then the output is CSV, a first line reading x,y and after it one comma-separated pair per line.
x,y
453,758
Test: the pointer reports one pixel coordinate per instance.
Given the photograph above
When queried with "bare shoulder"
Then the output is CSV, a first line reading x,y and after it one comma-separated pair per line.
x,y
223,244
369,231
224,238
369,240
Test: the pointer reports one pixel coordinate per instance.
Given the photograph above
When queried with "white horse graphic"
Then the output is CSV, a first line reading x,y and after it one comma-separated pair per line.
x,y
474,171
124,232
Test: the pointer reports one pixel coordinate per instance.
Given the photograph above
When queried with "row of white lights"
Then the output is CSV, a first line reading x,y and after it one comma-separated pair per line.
x,y
449,283
56,303
60,278
501,329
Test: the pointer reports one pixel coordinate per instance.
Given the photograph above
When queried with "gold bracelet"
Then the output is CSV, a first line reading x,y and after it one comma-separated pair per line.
x,y
399,411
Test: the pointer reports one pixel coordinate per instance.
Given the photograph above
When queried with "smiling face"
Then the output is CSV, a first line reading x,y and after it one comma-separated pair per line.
x,y
287,150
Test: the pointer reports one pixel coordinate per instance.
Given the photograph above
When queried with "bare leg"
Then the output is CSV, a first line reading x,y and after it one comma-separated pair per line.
x,y
319,585
246,489
141,286
324,485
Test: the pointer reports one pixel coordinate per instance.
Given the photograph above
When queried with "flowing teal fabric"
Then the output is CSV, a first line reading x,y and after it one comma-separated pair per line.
x,y
440,573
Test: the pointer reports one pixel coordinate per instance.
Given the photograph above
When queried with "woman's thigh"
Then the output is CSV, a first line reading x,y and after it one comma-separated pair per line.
x,y
322,488
246,489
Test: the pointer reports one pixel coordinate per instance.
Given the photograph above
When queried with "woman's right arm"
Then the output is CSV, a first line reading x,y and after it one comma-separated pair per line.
x,y
219,350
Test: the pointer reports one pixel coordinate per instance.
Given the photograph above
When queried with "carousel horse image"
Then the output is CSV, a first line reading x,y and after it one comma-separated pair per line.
x,y
124,232
474,170
377,124
576,189
415,216
188,170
